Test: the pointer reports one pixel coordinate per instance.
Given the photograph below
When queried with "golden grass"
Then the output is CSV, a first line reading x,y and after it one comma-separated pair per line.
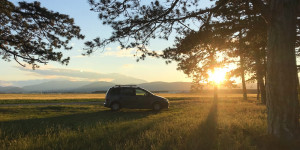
x,y
100,96
200,95
49,96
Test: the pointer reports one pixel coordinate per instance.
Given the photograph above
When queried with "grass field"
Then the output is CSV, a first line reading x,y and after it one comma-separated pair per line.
x,y
62,98
49,98
193,121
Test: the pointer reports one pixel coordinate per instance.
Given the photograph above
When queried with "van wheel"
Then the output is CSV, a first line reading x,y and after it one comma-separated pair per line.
x,y
115,107
156,106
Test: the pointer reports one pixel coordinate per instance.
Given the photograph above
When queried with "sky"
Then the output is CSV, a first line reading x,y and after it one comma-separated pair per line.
x,y
109,60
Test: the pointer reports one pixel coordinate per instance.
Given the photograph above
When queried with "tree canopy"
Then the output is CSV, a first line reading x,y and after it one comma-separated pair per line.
x,y
137,22
196,27
33,34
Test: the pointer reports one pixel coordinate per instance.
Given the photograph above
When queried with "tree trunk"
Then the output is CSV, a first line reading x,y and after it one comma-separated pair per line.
x,y
262,90
282,94
260,78
242,66
258,91
243,79
298,86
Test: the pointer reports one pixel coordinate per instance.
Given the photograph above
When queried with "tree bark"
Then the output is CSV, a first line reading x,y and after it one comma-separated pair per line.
x,y
282,94
298,86
262,88
260,81
243,79
242,66
260,78
258,91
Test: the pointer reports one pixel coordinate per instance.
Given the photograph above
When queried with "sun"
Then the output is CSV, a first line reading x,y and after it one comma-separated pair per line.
x,y
218,76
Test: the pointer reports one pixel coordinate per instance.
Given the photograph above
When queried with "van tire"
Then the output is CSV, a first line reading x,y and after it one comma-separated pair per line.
x,y
156,106
115,107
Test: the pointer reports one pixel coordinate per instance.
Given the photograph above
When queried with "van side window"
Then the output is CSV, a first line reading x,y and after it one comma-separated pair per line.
x,y
128,92
140,92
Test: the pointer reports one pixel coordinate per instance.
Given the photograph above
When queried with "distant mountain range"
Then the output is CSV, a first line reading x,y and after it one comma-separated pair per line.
x,y
111,77
64,85
88,87
54,86
11,89
166,86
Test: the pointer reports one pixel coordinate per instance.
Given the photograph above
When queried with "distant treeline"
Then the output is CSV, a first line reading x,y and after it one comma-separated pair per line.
x,y
206,91
221,91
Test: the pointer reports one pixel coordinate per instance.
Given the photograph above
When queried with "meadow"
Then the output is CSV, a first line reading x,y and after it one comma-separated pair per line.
x,y
193,121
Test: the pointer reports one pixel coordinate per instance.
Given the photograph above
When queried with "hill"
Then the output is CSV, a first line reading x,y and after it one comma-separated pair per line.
x,y
166,86
55,86
95,86
11,89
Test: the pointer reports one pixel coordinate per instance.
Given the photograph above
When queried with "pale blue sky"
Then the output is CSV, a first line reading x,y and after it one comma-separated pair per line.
x,y
111,60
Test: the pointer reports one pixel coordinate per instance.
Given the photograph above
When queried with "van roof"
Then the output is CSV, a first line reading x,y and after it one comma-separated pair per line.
x,y
125,86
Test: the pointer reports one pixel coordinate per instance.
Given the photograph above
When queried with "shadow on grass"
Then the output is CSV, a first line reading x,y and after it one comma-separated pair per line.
x,y
268,142
7,111
13,129
118,127
205,136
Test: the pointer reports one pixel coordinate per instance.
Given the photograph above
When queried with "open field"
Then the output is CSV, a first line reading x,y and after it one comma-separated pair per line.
x,y
49,98
97,96
67,98
192,122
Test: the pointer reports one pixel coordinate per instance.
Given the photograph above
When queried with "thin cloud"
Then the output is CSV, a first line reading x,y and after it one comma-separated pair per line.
x,y
5,83
128,66
78,56
121,53
108,48
66,73
78,75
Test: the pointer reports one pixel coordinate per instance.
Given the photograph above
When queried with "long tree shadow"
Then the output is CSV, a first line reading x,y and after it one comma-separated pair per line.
x,y
11,129
205,136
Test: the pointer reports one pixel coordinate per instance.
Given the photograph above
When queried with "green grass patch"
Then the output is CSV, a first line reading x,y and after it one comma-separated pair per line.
x,y
189,123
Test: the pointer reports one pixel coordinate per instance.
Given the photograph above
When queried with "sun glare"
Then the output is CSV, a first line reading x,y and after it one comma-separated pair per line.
x,y
218,76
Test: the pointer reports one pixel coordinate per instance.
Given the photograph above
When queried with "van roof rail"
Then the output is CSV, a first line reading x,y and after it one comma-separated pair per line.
x,y
125,85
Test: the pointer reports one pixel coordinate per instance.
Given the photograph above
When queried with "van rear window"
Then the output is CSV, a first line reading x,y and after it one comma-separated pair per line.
x,y
115,91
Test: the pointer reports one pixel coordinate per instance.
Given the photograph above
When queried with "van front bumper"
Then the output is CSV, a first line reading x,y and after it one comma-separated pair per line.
x,y
106,104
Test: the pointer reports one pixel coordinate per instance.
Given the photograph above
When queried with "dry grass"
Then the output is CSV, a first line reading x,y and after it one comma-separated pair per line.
x,y
200,95
67,98
49,96
101,96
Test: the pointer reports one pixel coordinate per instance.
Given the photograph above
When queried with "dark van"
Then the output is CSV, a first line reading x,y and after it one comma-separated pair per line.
x,y
131,96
